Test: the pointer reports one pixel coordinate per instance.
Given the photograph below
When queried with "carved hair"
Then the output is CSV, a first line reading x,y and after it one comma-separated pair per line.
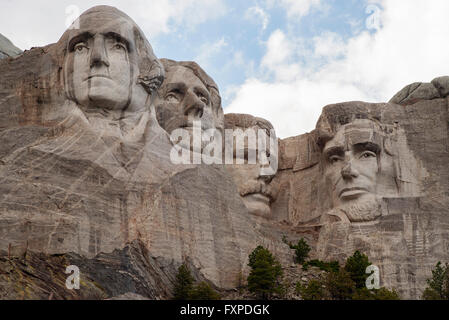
x,y
338,115
245,121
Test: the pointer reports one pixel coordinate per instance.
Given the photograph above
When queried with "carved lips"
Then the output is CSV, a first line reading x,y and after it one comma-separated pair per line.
x,y
98,76
351,193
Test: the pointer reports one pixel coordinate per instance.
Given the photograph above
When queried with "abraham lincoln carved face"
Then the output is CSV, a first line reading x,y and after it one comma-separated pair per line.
x,y
352,167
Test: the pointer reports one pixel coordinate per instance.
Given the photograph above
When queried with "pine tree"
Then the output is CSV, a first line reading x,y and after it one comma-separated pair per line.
x,y
313,290
438,285
340,285
356,267
203,291
302,250
265,274
184,283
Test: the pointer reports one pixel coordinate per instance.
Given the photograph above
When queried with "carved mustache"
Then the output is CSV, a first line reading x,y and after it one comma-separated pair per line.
x,y
254,187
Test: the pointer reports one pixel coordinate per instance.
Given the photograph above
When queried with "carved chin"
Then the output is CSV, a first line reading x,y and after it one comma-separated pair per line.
x,y
258,205
363,211
105,98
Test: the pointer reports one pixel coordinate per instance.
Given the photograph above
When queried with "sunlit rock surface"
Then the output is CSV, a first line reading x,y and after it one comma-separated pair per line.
x,y
7,48
86,175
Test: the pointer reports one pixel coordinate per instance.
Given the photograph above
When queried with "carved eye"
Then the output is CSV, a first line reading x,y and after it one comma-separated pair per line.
x,y
334,159
172,98
80,47
367,155
119,46
203,98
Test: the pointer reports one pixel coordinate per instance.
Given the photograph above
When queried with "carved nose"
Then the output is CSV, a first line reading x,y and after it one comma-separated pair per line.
x,y
193,106
266,179
349,172
99,56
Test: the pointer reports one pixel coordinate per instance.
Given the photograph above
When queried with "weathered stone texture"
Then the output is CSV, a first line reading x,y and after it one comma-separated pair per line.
x,y
7,49
97,185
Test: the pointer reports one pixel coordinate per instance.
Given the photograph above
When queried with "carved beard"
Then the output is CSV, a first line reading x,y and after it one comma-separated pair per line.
x,y
363,211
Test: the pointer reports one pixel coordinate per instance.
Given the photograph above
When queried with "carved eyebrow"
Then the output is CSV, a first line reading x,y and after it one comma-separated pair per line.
x,y
370,146
179,86
334,151
119,38
205,93
83,37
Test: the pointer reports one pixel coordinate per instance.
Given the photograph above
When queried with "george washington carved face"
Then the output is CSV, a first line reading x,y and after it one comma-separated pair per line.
x,y
105,58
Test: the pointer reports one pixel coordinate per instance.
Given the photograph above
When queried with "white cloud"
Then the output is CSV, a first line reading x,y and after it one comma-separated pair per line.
x,y
296,8
329,45
38,23
278,59
257,13
410,46
208,51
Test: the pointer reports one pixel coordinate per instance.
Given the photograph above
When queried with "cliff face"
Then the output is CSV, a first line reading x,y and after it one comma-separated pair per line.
x,y
72,184
7,49
404,228
97,187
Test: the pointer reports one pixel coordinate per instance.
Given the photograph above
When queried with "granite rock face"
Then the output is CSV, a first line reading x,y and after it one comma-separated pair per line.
x,y
393,205
85,172
88,177
124,274
7,48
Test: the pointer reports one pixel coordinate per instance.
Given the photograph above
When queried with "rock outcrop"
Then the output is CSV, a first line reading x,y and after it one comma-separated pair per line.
x,y
88,178
7,48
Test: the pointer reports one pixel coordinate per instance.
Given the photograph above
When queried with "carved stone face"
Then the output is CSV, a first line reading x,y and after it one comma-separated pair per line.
x,y
352,160
99,67
254,188
183,99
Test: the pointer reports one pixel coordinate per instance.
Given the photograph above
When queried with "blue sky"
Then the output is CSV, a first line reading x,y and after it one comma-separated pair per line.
x,y
239,36
279,59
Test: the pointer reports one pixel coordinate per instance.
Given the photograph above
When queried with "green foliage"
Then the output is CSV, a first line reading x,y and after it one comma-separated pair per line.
x,y
340,285
381,294
332,266
438,285
348,283
203,291
356,267
265,274
185,289
312,291
385,294
183,284
302,249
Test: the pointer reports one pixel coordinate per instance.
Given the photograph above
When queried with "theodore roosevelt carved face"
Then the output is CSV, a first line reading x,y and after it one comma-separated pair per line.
x,y
253,186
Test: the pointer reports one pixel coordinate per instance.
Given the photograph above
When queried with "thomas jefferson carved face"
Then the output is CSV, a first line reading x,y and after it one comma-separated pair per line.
x,y
352,166
100,66
183,99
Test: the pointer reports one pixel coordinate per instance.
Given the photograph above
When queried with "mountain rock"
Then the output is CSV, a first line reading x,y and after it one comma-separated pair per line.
x,y
89,177
7,48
